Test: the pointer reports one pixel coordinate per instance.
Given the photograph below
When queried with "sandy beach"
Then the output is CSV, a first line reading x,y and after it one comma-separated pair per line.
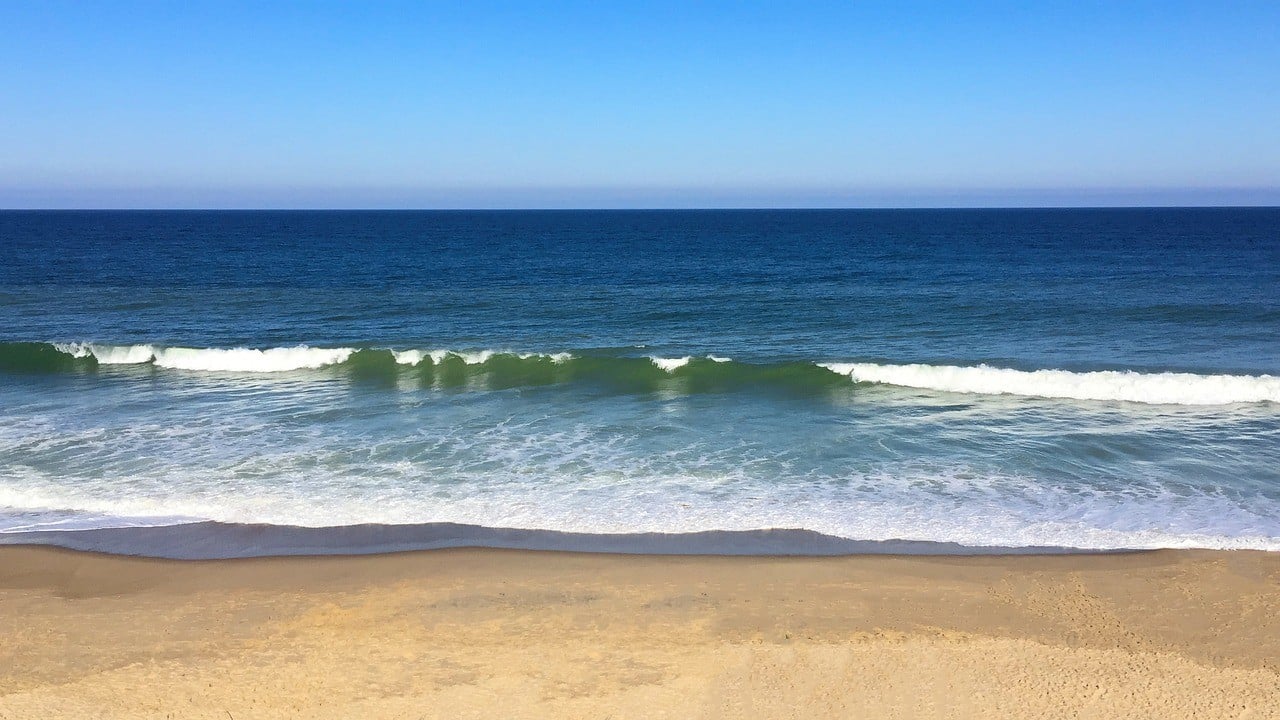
x,y
492,633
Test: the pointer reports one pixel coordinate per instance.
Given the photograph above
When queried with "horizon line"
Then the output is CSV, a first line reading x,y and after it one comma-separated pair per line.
x,y
709,208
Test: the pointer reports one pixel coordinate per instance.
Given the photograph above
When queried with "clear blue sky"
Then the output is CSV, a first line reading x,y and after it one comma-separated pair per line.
x,y
476,104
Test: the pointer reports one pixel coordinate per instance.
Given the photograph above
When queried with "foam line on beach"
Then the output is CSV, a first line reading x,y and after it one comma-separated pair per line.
x,y
216,541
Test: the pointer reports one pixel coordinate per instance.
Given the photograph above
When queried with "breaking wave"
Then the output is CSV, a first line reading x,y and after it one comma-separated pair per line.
x,y
503,369
1125,385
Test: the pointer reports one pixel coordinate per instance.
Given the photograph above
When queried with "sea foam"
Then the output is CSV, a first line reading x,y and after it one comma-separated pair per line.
x,y
672,364
1126,385
280,359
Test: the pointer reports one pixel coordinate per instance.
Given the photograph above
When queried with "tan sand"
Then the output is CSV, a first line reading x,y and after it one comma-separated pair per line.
x,y
498,634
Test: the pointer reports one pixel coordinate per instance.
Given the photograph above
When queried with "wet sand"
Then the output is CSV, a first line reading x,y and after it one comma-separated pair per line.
x,y
504,633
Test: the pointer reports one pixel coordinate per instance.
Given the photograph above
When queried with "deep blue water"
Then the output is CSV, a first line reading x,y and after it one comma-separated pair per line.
x,y
1083,378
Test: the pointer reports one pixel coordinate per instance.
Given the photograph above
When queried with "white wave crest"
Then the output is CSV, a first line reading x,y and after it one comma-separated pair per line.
x,y
671,364
76,350
1129,386
476,357
557,358
247,360
211,359
110,354
408,357
279,359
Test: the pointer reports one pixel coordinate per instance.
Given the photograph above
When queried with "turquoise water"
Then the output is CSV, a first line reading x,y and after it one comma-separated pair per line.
x,y
993,378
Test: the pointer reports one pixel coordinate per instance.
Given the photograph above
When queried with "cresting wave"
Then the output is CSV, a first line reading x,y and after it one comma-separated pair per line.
x,y
1154,388
710,373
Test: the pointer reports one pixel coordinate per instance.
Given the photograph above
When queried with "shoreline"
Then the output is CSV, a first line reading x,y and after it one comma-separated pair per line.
x,y
212,540
519,633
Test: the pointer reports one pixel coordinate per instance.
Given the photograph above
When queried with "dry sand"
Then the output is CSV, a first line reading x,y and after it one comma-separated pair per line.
x,y
498,634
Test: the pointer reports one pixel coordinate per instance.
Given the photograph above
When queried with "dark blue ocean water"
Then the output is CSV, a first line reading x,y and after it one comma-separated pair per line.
x,y
1083,378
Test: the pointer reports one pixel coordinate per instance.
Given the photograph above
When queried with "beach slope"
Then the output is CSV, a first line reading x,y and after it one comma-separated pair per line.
x,y
494,633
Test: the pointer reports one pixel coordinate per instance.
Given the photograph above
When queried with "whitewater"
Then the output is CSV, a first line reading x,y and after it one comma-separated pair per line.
x,y
1167,388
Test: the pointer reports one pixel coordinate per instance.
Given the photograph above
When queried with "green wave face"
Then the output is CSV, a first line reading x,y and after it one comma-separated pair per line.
x,y
502,371
491,371
39,358
485,369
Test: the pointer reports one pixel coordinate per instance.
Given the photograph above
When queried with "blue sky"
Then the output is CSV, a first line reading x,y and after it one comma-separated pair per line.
x,y
686,104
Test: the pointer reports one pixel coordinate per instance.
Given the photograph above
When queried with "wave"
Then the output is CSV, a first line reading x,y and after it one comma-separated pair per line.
x,y
212,359
974,512
211,540
1152,388
495,369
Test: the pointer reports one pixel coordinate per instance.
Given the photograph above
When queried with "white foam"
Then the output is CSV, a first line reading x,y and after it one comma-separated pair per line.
x,y
1130,386
408,357
76,350
248,360
673,364
581,473
477,357
659,504
211,359
557,358
110,354
670,364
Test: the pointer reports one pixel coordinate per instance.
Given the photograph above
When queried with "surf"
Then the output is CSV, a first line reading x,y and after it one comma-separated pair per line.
x,y
1129,386
498,369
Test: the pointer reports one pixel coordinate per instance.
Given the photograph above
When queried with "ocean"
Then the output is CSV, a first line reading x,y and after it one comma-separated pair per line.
x,y
206,384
